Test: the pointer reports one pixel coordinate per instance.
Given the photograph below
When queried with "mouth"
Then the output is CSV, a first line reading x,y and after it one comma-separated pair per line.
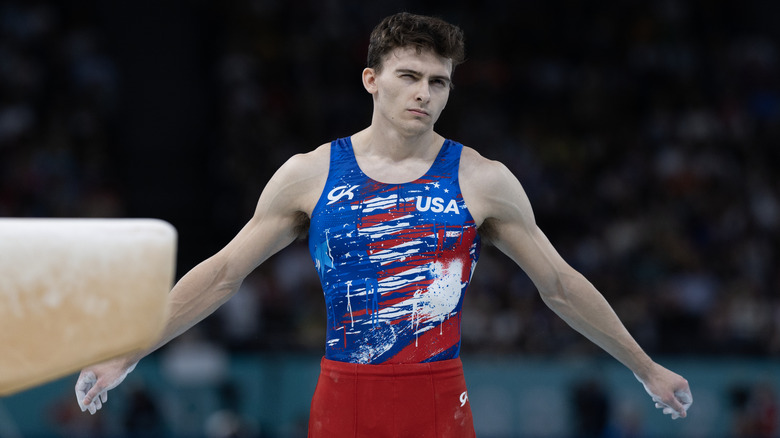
x,y
418,112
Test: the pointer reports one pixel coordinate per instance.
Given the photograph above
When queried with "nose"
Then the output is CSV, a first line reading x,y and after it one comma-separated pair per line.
x,y
423,92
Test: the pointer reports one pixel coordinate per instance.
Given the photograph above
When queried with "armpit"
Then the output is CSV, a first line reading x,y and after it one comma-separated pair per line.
x,y
301,226
487,232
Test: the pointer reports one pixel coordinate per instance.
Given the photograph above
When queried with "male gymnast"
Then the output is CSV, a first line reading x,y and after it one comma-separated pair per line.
x,y
395,215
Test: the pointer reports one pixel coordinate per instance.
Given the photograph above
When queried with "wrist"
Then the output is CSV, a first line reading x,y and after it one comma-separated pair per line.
x,y
644,370
127,362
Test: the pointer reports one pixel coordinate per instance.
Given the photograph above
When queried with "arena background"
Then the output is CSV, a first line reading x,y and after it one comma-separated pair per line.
x,y
646,134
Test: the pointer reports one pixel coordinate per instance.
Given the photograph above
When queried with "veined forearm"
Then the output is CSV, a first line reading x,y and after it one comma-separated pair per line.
x,y
578,303
194,297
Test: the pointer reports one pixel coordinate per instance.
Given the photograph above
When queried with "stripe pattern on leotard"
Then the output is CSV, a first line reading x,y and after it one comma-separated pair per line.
x,y
394,260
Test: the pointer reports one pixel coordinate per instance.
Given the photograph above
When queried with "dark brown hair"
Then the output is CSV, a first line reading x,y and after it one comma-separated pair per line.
x,y
419,31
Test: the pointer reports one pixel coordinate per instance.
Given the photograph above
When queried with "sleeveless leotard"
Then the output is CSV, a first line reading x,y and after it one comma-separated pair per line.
x,y
394,260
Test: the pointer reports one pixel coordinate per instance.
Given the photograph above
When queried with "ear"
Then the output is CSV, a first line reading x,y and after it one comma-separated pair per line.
x,y
369,80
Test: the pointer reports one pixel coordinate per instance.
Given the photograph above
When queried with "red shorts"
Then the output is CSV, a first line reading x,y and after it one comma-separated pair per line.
x,y
419,400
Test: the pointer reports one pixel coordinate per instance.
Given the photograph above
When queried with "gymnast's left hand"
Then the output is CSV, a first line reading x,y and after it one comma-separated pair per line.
x,y
669,391
95,381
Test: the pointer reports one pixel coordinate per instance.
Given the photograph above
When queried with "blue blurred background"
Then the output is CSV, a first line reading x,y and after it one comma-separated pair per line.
x,y
646,134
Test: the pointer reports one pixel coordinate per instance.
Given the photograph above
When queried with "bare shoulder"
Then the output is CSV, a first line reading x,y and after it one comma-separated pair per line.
x,y
474,167
301,179
281,214
313,162
489,188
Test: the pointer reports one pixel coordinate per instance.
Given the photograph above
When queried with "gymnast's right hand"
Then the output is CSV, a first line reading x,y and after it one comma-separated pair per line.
x,y
95,381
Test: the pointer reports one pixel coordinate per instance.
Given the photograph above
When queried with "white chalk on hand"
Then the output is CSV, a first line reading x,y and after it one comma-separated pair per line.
x,y
87,380
684,397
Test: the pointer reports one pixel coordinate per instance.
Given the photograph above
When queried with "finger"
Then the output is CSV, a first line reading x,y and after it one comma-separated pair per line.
x,y
666,409
674,413
671,412
80,398
85,381
83,385
675,405
684,397
93,394
104,396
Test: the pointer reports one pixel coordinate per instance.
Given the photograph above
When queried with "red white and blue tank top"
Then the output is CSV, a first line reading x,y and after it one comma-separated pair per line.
x,y
394,260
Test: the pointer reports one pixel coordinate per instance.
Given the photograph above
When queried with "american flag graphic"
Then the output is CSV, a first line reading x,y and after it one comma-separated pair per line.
x,y
394,261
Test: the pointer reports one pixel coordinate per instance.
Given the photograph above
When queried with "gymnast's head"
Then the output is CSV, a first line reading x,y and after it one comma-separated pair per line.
x,y
423,33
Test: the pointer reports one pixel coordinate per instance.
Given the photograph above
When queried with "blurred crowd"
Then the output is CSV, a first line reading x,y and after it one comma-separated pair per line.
x,y
57,97
646,134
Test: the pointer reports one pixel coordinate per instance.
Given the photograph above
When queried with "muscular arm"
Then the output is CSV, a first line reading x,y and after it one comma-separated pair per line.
x,y
498,201
277,221
281,213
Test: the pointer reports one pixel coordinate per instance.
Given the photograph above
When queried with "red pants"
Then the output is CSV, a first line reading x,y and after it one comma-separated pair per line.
x,y
421,400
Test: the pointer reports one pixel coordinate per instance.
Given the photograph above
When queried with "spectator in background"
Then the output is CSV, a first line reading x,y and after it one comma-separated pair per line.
x,y
665,116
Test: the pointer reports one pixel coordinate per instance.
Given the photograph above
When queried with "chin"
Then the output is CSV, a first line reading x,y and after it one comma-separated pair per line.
x,y
417,127
416,132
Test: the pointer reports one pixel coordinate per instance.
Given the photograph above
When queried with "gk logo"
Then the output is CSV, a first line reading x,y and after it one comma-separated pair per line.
x,y
341,191
464,397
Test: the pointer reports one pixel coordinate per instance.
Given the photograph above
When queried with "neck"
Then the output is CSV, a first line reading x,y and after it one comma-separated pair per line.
x,y
395,159
395,145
